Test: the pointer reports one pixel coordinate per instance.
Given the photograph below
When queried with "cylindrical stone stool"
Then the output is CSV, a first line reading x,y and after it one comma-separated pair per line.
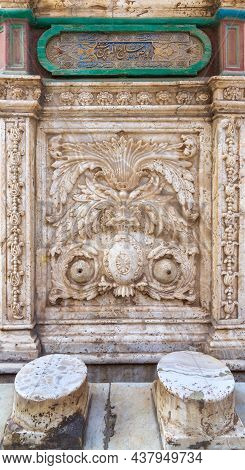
x,y
195,401
50,405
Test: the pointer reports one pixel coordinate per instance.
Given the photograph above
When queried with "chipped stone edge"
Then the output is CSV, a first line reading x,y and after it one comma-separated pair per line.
x,y
233,440
30,438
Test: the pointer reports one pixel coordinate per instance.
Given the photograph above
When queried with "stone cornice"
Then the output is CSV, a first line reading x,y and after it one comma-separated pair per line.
x,y
127,8
220,94
126,97
16,3
231,3
20,93
228,94
198,18
47,12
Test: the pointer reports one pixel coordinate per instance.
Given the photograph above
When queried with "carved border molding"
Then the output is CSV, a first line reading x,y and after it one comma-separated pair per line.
x,y
124,95
19,89
234,93
231,219
118,94
15,213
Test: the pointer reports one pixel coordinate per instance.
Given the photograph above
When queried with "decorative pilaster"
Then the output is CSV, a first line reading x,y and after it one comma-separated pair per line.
x,y
19,103
228,305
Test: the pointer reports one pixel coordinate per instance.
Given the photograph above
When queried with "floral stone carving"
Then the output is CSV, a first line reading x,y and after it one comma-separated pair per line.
x,y
230,242
15,156
123,211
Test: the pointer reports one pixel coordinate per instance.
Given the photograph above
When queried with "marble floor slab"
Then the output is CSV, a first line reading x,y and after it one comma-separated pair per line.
x,y
6,402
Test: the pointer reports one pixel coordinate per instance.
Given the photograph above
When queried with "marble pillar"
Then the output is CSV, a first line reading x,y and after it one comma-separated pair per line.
x,y
19,100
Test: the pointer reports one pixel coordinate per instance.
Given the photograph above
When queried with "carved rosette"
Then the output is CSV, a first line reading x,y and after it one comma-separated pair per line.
x,y
124,219
230,238
15,154
166,96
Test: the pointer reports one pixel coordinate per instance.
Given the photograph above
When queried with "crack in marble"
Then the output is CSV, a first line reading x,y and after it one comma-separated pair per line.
x,y
110,421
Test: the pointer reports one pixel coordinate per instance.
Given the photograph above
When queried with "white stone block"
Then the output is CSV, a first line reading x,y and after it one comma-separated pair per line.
x,y
50,404
195,402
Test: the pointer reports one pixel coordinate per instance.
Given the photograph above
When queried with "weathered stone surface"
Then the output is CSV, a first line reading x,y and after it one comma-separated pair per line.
x,y
195,401
96,427
6,405
50,404
126,8
133,423
19,97
145,275
121,8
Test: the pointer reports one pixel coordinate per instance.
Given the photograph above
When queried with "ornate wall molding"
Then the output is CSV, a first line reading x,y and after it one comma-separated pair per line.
x,y
20,89
230,236
228,95
234,93
15,212
19,103
119,94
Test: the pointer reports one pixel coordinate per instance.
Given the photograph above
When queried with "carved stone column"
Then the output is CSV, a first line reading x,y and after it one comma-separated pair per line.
x,y
227,337
19,105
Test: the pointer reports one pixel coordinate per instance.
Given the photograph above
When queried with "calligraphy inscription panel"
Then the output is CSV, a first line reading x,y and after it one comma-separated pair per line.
x,y
75,50
122,51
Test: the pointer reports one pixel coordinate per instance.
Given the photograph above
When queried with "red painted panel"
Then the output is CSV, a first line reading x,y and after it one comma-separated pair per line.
x,y
17,47
232,47
14,40
232,40
244,46
3,46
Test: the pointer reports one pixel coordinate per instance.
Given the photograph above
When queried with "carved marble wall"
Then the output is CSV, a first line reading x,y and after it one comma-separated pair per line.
x,y
123,8
124,193
19,105
122,218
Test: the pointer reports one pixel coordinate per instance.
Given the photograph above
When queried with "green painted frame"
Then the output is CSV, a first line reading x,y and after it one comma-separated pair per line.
x,y
125,27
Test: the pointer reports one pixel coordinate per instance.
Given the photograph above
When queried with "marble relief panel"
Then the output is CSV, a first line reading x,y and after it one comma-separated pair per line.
x,y
121,222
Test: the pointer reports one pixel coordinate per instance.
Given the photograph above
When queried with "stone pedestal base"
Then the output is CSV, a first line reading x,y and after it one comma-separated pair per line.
x,y
172,440
50,405
195,402
69,434
18,346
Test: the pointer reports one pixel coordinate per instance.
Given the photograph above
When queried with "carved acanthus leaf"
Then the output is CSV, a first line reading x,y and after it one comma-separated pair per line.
x,y
121,162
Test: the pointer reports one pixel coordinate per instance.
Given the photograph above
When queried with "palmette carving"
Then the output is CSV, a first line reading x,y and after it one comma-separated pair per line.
x,y
124,215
